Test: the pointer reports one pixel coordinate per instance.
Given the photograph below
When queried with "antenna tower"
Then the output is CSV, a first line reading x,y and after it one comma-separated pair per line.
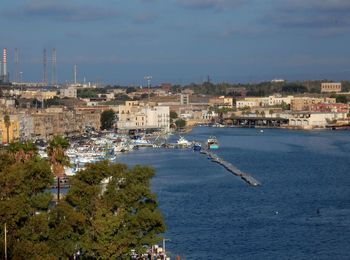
x,y
53,64
44,67
16,74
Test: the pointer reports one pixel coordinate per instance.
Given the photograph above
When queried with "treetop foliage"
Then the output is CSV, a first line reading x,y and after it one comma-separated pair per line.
x,y
108,210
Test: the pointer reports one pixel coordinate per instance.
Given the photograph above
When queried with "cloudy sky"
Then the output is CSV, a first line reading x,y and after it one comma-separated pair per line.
x,y
180,41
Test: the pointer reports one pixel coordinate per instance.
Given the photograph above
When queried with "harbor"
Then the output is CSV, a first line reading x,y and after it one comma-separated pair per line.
x,y
110,145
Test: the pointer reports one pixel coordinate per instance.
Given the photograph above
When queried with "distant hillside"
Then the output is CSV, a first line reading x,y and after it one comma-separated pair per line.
x,y
259,89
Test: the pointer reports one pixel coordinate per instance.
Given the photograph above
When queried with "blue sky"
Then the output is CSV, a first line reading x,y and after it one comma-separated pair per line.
x,y
180,41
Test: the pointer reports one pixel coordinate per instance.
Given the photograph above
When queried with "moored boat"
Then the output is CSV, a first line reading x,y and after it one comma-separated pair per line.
x,y
197,147
213,143
182,142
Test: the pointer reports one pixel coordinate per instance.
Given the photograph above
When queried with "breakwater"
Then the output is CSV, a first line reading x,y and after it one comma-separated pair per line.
x,y
231,168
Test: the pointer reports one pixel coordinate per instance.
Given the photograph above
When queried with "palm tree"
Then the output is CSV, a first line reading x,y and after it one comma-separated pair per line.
x,y
23,151
7,122
57,156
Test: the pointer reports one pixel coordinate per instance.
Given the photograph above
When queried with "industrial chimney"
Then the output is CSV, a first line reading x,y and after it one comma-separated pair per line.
x,y
4,65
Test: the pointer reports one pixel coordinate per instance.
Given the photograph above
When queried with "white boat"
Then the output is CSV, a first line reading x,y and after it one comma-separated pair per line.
x,y
213,143
182,142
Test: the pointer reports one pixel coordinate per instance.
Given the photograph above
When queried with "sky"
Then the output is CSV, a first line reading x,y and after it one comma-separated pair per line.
x,y
179,41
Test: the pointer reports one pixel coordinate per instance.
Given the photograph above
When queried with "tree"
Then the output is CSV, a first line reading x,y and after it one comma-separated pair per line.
x,y
108,211
23,151
173,115
24,201
57,156
119,209
180,123
130,90
341,99
107,119
7,123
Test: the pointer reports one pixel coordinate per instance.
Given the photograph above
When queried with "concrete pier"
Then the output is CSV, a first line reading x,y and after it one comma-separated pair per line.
x,y
231,168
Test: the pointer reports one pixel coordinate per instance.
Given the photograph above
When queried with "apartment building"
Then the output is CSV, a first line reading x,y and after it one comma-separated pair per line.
x,y
305,103
135,115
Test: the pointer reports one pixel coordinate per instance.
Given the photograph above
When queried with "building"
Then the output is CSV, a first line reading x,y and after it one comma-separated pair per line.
x,y
310,120
247,103
305,103
137,116
221,101
37,94
70,92
330,87
184,99
325,107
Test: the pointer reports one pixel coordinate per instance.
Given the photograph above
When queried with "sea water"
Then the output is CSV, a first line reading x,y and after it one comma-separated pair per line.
x,y
301,211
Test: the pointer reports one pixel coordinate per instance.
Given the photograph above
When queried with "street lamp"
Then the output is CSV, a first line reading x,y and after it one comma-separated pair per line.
x,y
165,239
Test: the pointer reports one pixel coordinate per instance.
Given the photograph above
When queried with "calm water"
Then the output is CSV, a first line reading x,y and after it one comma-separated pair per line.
x,y
301,211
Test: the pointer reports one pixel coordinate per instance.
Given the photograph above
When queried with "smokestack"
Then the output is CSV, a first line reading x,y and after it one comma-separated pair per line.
x,y
4,61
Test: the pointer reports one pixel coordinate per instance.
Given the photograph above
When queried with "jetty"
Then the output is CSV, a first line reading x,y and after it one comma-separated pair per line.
x,y
231,168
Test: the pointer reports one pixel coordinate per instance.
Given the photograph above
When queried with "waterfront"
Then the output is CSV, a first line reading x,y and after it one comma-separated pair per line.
x,y
301,211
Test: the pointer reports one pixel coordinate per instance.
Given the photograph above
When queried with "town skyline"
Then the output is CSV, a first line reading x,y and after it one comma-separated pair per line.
x,y
179,41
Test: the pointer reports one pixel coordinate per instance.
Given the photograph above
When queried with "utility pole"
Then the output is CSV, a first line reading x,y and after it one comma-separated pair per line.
x,y
164,239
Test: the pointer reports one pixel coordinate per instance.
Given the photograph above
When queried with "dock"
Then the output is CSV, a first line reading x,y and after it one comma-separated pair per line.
x,y
231,168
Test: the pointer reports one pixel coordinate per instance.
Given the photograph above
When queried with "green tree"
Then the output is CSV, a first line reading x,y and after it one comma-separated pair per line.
x,y
120,211
180,123
24,201
23,151
57,157
341,99
173,115
107,119
7,123
108,211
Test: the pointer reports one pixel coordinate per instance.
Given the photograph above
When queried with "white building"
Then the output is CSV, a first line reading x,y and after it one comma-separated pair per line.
x,y
70,92
244,103
157,117
330,87
134,115
309,120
